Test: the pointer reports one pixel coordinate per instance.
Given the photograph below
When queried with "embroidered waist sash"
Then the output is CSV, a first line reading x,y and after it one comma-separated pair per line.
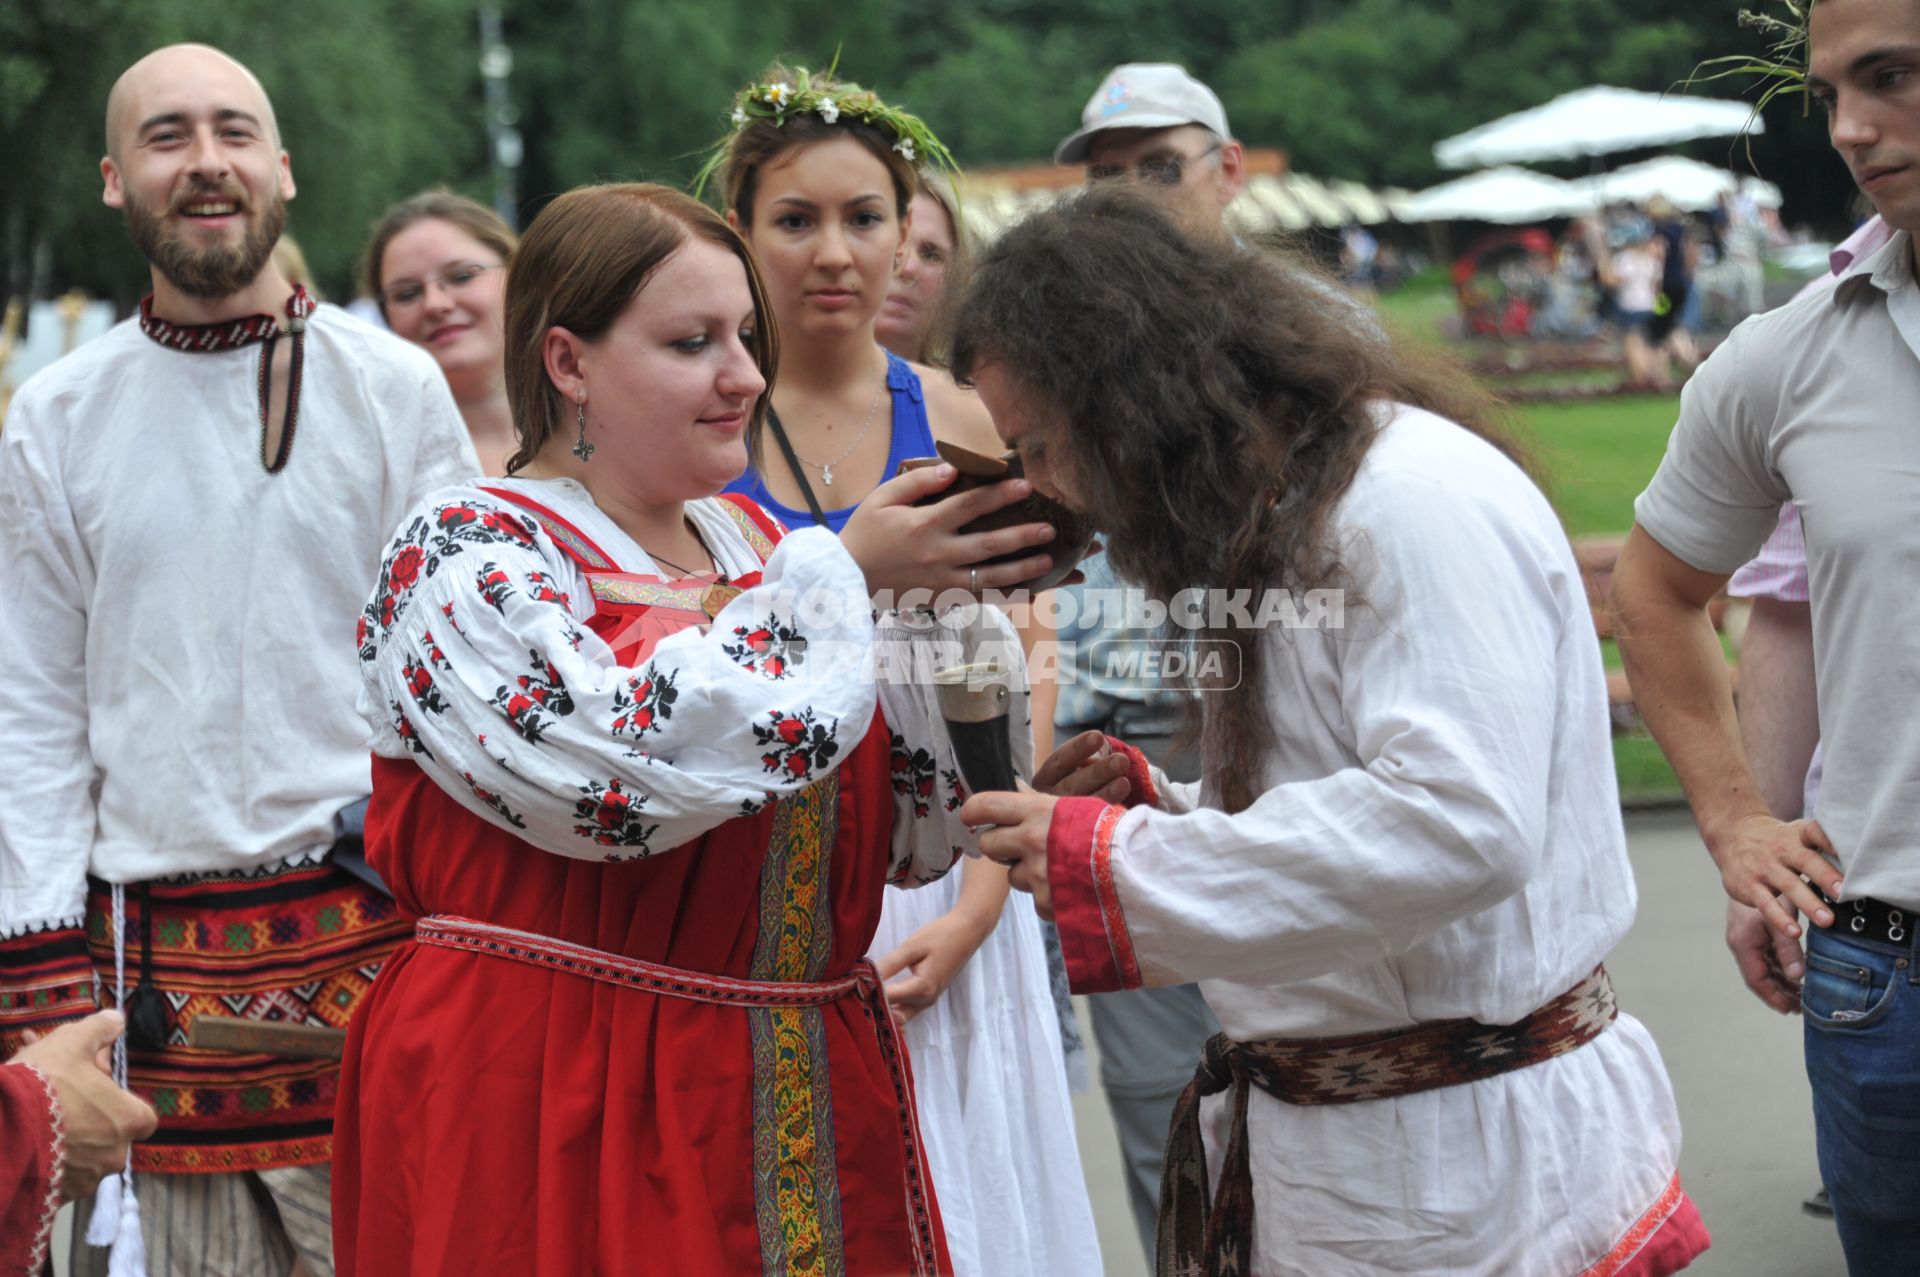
x,y
862,982
297,943
1199,1233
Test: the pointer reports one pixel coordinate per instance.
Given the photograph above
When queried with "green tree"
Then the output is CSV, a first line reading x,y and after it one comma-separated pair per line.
x,y
375,98
381,98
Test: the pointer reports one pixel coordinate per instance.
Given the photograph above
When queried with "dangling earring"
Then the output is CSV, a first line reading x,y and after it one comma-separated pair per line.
x,y
581,448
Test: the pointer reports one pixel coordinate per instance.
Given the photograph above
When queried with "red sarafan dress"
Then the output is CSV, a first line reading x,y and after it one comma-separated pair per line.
x,y
634,1032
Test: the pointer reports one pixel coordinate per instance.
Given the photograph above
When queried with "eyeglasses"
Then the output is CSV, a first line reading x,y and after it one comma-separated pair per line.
x,y
411,292
1164,169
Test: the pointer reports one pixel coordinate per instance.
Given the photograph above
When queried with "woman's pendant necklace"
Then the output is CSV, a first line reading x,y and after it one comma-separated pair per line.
x,y
826,471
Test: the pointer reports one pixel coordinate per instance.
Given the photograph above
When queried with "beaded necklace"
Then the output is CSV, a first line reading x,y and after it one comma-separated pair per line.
x,y
232,334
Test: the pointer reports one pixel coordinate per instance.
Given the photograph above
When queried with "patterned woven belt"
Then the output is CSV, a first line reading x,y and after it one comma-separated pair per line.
x,y
1203,1234
447,932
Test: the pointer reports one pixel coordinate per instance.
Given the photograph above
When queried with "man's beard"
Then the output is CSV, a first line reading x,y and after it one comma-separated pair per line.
x,y
207,273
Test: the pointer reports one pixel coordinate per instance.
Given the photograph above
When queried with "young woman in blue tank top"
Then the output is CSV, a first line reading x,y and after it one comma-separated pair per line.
x,y
824,203
824,206
910,436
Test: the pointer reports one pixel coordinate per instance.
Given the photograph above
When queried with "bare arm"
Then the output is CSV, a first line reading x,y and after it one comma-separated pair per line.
x,y
1779,720
1681,688
1040,640
934,954
1779,725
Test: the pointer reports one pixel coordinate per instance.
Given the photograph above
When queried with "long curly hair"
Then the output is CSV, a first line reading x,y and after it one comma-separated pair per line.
x,y
1217,402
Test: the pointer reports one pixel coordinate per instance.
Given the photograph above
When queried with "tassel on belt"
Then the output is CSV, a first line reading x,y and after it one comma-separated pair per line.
x,y
1203,1234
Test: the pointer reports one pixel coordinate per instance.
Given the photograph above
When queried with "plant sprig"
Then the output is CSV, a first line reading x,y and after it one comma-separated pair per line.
x,y
1782,68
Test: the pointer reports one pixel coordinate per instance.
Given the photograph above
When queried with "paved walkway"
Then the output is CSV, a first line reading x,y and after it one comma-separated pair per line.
x,y
1748,1157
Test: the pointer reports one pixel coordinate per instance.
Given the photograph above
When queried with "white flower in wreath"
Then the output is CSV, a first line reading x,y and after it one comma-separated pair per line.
x,y
778,95
739,117
905,147
829,110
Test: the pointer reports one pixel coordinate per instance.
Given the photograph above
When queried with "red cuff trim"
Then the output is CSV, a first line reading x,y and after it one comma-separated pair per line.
x,y
35,1162
1086,904
1139,773
1666,1239
46,979
56,1173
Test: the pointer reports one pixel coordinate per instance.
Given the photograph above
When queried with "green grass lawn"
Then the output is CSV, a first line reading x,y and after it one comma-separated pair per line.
x,y
1596,456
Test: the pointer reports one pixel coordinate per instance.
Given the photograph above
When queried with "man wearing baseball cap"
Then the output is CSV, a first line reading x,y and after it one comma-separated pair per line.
x,y
1153,122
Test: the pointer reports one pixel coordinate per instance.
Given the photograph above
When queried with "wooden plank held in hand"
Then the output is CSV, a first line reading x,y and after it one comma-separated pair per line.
x,y
267,1037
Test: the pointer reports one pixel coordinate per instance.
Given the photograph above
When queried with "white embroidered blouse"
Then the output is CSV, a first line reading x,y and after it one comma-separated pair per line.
x,y
477,660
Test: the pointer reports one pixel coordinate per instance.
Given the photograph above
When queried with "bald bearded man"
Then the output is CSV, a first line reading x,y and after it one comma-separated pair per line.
x,y
192,509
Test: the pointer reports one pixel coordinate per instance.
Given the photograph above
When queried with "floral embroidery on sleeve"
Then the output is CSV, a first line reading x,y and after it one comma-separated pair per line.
x,y
912,775
535,699
403,570
528,716
643,705
956,788
460,524
494,801
544,685
773,648
420,682
403,728
478,668
496,587
613,816
418,553
541,586
795,743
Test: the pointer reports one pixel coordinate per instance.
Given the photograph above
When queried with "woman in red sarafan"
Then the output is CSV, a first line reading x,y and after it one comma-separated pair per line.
x,y
634,778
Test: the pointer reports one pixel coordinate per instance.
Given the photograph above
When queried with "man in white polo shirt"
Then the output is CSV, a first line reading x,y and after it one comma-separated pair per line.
x,y
1815,403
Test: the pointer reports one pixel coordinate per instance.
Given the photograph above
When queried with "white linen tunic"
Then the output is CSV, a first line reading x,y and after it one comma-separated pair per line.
x,y
1439,836
176,620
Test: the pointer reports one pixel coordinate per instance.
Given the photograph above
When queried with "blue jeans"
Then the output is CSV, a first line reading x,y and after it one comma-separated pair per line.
x,y
1861,1000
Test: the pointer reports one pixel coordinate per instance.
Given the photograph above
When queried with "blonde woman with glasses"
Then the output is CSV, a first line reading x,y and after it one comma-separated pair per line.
x,y
436,264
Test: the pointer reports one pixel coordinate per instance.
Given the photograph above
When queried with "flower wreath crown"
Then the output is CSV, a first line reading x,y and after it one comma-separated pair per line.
x,y
783,100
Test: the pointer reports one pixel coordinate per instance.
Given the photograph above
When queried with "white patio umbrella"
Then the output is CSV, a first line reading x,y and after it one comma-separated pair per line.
x,y
1511,196
1596,121
1686,184
1267,205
